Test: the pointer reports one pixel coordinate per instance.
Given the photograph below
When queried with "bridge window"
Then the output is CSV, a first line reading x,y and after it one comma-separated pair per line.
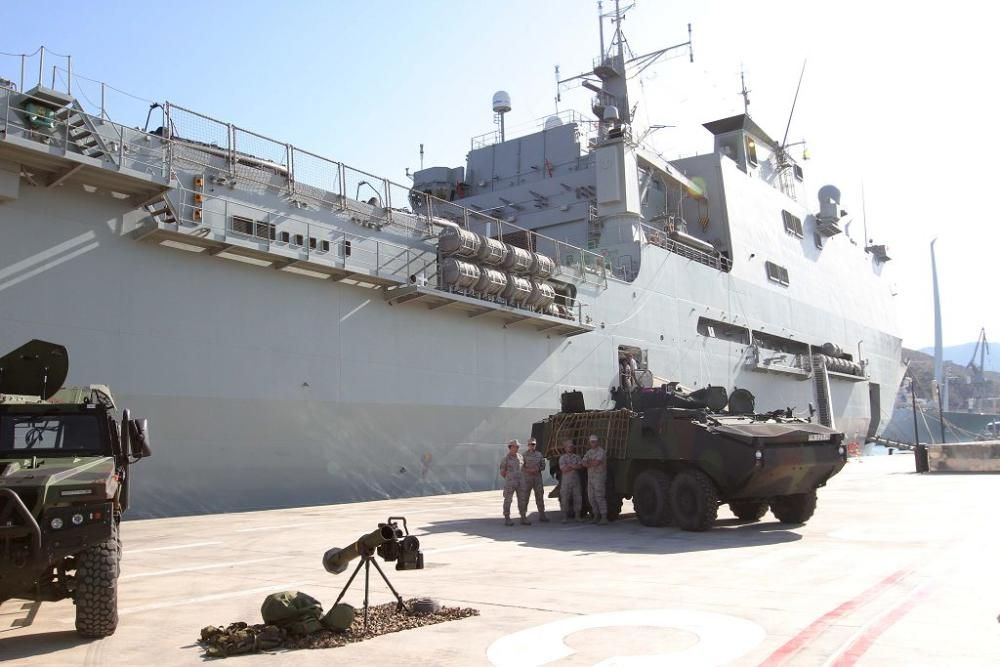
x,y
776,273
751,151
793,225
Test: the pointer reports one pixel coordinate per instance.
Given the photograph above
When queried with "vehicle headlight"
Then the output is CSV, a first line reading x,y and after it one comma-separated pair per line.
x,y
758,455
77,519
841,450
56,523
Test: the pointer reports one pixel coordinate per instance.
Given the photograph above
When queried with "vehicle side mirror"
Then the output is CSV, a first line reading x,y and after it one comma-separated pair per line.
x,y
138,438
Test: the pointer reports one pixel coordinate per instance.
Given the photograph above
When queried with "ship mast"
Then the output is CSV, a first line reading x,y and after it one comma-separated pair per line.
x,y
612,70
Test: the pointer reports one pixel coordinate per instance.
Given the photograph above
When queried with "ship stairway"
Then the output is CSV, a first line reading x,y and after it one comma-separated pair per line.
x,y
161,210
821,385
82,133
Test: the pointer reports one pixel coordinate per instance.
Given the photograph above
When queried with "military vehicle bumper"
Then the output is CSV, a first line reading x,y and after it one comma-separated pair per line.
x,y
29,549
787,469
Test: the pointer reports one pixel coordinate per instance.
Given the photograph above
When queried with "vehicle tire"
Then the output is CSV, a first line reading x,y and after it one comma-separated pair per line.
x,y
651,498
96,594
748,510
796,508
694,500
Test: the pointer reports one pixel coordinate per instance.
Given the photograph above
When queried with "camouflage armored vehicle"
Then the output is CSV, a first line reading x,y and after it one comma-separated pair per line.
x,y
680,455
64,483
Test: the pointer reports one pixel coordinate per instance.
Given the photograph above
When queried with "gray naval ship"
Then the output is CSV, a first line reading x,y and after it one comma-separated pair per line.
x,y
299,331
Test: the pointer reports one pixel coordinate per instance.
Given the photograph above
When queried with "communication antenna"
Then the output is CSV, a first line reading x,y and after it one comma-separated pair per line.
x,y
784,141
421,156
745,93
558,91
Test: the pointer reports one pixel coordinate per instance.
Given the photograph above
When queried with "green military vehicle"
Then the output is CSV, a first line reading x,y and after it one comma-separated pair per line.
x,y
680,455
64,483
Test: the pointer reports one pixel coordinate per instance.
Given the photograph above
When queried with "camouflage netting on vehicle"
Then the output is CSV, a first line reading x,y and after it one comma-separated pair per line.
x,y
611,426
241,638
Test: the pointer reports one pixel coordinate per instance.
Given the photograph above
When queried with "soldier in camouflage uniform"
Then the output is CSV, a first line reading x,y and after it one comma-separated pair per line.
x,y
533,464
570,493
597,472
511,469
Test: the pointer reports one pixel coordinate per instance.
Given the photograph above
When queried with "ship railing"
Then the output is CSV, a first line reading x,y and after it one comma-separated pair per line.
x,y
290,238
71,130
586,128
371,199
661,239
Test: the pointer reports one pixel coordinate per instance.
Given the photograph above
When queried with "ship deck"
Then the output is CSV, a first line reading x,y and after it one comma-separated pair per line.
x,y
894,569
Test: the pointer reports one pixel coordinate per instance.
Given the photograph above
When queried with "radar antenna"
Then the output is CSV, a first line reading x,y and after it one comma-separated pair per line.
x,y
744,92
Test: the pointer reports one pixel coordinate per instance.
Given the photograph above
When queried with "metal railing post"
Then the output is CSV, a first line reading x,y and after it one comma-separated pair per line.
x,y
69,75
342,185
386,200
290,164
41,64
231,148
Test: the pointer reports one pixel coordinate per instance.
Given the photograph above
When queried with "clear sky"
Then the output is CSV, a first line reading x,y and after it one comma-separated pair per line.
x,y
898,96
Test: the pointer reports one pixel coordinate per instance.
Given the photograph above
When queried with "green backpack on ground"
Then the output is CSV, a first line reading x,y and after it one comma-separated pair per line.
x,y
296,612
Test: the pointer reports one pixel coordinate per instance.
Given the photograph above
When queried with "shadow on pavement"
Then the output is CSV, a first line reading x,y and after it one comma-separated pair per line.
x,y
40,643
626,535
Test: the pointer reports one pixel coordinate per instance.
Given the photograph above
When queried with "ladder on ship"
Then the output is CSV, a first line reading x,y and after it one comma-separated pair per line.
x,y
83,134
821,386
160,209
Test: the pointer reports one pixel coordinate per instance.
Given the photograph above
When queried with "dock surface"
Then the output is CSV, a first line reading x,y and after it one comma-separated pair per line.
x,y
894,569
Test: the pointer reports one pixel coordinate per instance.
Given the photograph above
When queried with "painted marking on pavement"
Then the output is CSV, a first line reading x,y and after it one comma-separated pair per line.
x,y
457,548
171,548
721,638
859,644
196,568
787,650
209,598
281,527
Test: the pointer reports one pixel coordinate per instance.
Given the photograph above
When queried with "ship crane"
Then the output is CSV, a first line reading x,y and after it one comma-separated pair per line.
x,y
978,372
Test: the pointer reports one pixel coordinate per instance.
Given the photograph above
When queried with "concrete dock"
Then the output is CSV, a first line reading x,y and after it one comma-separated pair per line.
x,y
894,569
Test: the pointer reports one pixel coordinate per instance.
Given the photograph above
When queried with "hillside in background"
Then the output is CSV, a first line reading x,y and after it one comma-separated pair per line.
x,y
921,366
960,354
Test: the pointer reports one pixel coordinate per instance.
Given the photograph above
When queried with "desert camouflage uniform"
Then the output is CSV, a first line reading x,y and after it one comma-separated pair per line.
x,y
570,493
511,470
596,481
533,464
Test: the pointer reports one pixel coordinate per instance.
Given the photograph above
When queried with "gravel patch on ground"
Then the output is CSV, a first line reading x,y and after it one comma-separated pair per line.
x,y
241,638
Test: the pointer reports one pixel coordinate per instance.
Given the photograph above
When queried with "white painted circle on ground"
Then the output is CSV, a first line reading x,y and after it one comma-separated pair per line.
x,y
721,639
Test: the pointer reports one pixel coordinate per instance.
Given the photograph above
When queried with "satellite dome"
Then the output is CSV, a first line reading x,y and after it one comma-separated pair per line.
x,y
611,114
552,121
501,101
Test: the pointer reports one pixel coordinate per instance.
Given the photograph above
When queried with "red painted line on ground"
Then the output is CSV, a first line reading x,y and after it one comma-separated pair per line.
x,y
811,631
865,641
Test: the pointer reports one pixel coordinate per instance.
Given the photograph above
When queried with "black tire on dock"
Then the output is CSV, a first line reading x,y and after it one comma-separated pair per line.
x,y
96,594
651,498
694,500
797,508
748,510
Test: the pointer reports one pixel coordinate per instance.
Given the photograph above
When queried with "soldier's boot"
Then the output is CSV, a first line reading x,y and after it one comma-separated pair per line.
x,y
542,517
507,521
603,521
597,518
524,521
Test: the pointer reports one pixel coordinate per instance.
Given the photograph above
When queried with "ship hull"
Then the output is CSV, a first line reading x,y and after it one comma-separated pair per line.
x,y
266,389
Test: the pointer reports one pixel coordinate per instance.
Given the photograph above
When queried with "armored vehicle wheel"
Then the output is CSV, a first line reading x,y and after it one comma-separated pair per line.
x,y
96,594
694,500
651,498
748,511
797,508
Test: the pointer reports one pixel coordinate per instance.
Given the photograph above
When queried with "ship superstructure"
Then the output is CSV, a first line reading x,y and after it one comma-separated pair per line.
x,y
311,333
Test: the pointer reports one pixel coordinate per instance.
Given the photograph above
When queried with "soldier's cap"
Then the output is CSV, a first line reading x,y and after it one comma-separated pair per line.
x,y
513,443
532,441
592,438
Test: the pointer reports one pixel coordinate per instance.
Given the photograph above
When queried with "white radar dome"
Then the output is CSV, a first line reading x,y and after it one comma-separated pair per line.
x,y
611,114
501,101
552,121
